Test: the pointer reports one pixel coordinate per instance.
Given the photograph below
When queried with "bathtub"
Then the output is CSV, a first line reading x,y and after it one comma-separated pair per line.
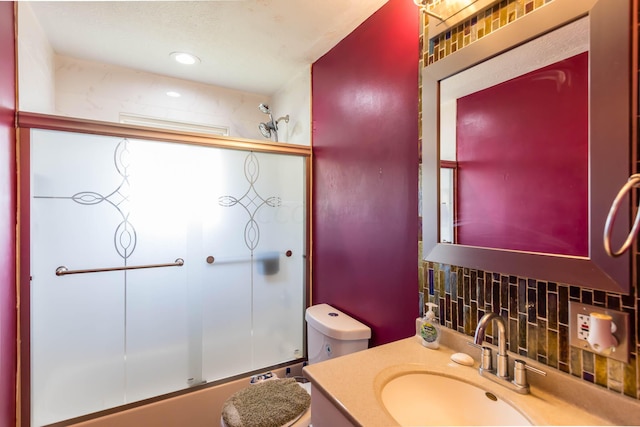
x,y
199,408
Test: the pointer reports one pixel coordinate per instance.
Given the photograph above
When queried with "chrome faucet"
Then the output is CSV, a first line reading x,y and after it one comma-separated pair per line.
x,y
478,339
501,374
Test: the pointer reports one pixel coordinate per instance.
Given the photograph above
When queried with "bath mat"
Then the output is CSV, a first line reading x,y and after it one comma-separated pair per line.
x,y
273,403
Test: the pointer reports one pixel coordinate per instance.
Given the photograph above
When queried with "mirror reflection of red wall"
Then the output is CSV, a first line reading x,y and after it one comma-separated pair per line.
x,y
522,151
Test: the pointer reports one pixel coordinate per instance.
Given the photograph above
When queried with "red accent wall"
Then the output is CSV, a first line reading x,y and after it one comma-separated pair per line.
x,y
7,217
365,173
550,129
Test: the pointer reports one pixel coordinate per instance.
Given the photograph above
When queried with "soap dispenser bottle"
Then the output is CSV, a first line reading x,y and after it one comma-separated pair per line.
x,y
430,330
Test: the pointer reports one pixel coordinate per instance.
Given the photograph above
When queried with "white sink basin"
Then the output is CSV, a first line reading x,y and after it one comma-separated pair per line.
x,y
423,399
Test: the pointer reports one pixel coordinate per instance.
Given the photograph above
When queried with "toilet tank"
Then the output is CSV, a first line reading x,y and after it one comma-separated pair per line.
x,y
331,333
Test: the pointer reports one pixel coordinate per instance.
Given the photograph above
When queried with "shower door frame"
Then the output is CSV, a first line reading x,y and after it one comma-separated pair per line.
x,y
27,121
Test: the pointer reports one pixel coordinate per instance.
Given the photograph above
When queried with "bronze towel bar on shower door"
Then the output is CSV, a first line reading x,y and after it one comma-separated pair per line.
x,y
63,271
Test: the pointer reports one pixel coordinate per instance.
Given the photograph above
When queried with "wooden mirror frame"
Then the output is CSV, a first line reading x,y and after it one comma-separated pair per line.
x,y
609,145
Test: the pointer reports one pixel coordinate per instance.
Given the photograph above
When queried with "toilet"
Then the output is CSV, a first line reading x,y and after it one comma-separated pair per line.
x,y
330,333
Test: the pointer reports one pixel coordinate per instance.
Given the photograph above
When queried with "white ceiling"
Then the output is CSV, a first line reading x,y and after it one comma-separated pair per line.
x,y
251,45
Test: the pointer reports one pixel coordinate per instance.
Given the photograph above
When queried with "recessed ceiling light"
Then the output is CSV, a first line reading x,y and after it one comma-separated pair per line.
x,y
185,58
173,94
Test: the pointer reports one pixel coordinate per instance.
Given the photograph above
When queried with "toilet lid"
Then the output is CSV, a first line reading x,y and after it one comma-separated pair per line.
x,y
272,403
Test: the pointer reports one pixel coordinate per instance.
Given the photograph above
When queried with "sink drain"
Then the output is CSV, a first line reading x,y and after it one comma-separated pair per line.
x,y
491,396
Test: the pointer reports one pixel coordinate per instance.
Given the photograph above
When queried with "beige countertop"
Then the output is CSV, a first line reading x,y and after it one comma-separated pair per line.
x,y
353,383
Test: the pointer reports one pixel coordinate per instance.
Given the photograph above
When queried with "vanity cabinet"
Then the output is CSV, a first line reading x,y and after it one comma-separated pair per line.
x,y
324,413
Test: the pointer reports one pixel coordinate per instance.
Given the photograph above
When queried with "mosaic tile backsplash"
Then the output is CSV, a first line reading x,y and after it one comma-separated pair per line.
x,y
537,319
537,312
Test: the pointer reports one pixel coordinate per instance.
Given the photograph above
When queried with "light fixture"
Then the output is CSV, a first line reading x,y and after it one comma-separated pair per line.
x,y
450,13
185,58
422,4
173,94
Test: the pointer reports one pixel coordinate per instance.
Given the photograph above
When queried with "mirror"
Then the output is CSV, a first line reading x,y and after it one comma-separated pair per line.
x,y
599,163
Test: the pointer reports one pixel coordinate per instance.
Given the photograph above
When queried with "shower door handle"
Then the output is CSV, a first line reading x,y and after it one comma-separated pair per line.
x,y
63,271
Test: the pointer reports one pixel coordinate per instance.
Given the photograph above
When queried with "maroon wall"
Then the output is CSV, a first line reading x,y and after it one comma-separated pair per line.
x,y
365,173
537,209
7,217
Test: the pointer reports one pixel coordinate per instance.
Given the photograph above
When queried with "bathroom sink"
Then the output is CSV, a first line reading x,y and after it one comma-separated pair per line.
x,y
423,399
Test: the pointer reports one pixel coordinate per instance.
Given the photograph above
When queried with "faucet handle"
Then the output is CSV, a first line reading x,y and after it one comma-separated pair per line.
x,y
486,363
520,373
485,356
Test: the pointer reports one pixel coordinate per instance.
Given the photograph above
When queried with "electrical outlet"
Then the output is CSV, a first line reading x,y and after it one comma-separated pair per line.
x,y
579,325
583,326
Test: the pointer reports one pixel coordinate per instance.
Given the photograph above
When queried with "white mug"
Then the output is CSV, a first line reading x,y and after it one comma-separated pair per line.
x,y
601,337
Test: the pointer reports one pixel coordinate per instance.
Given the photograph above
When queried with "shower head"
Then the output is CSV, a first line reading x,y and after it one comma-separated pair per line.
x,y
271,127
265,129
264,108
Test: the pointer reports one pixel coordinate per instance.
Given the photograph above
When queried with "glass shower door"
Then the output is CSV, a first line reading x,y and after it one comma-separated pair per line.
x,y
77,321
262,243
104,339
275,282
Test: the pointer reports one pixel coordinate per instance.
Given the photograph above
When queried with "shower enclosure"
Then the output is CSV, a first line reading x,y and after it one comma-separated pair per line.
x,y
157,263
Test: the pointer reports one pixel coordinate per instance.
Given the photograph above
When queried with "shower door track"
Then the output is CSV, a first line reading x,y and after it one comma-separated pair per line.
x,y
48,122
